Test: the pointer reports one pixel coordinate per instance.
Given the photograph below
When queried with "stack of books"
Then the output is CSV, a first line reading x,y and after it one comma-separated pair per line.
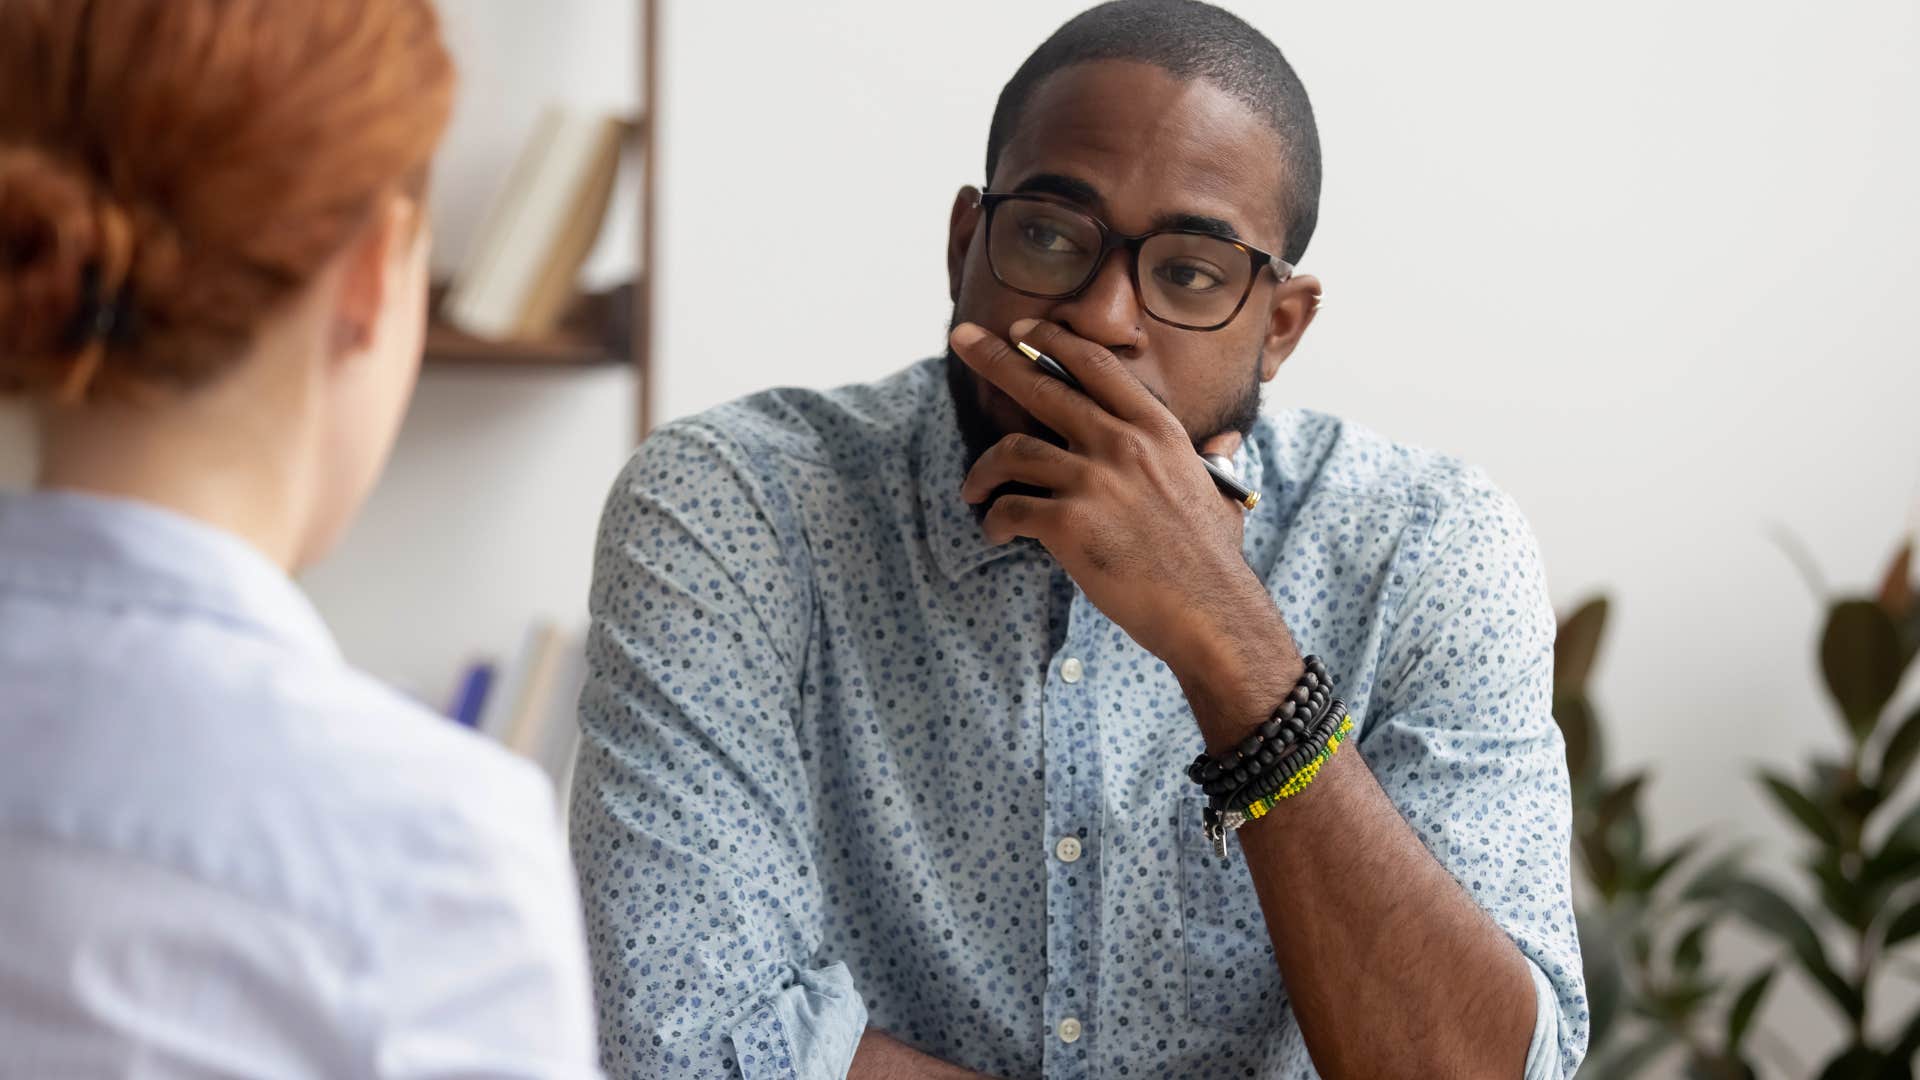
x,y
521,272
531,704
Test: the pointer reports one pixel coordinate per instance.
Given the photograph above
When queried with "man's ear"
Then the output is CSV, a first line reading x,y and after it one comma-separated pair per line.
x,y
960,226
1289,314
369,270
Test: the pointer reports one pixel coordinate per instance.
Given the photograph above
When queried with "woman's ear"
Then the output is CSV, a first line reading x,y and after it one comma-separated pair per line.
x,y
370,270
1294,305
960,226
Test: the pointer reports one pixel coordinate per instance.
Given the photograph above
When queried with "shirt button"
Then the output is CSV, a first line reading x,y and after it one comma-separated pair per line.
x,y
1069,1030
1068,848
1071,669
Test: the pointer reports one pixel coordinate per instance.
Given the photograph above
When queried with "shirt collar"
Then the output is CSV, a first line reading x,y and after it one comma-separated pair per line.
x,y
953,531
959,545
123,552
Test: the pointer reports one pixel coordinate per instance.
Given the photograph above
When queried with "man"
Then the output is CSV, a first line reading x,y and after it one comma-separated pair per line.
x,y
895,688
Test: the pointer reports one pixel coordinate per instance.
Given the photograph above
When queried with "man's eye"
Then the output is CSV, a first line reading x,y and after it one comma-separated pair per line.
x,y
1044,237
1191,277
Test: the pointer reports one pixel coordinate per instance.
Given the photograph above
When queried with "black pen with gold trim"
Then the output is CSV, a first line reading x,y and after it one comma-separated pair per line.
x,y
1224,480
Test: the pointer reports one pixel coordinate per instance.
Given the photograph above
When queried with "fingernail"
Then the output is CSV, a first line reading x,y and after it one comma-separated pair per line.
x,y
966,334
1022,327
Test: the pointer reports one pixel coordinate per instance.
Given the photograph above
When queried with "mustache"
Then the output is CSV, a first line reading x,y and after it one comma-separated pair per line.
x,y
980,432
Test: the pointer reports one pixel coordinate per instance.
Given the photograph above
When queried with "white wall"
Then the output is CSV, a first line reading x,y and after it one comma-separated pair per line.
x,y
1651,264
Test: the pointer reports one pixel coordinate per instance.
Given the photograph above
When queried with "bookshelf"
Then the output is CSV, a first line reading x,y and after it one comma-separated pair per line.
x,y
601,330
597,331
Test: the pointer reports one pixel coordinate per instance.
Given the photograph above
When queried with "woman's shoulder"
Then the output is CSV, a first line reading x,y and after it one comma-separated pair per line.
x,y
307,787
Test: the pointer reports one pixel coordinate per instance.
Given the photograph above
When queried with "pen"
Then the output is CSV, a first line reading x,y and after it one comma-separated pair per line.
x,y
1226,481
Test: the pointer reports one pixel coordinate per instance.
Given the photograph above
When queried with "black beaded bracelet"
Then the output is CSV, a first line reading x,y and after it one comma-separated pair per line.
x,y
1282,738
1292,762
1239,770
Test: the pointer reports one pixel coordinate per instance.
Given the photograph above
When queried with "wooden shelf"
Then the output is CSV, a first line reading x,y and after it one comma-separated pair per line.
x,y
448,347
595,331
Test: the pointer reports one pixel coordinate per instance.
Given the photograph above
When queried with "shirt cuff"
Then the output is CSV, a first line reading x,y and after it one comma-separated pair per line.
x,y
806,1031
1543,1054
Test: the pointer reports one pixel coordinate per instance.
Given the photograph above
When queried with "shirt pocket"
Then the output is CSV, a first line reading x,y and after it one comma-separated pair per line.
x,y
1232,981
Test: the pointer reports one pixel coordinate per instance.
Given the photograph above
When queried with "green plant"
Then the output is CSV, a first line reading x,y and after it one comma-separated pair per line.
x,y
1864,856
1645,930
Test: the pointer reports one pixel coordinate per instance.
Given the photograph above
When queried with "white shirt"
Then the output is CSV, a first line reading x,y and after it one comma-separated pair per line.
x,y
223,852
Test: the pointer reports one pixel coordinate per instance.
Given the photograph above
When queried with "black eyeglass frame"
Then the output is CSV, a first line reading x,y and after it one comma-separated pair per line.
x,y
1111,240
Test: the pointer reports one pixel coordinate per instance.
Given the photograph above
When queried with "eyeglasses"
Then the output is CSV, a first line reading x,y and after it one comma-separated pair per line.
x,y
1045,248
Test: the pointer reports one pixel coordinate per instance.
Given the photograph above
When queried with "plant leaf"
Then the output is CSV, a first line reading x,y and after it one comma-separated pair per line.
x,y
1902,748
1745,1005
1601,865
1714,877
1600,957
1619,801
1904,925
1905,835
1909,1043
1861,656
1581,733
1856,1062
1658,871
1801,808
1705,1065
1675,1005
1846,898
1896,587
1575,647
1768,910
1887,870
1629,1062
1691,948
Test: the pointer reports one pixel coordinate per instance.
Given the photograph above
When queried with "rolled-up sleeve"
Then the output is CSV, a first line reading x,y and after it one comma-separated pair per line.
x,y
692,815
1462,738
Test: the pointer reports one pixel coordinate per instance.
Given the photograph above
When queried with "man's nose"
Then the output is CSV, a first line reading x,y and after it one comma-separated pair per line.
x,y
1107,312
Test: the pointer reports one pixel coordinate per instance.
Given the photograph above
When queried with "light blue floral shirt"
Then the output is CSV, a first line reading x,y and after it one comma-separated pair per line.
x,y
846,763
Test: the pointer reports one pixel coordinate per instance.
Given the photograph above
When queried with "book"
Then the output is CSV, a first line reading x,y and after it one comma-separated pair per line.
x,y
533,709
537,232
561,729
503,701
470,699
526,733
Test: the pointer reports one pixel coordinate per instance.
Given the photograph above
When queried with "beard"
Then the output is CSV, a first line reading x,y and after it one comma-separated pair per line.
x,y
979,431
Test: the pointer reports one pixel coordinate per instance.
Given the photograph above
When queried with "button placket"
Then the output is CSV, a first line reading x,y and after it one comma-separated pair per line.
x,y
1073,813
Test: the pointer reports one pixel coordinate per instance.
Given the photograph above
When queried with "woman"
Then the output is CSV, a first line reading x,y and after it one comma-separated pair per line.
x,y
222,851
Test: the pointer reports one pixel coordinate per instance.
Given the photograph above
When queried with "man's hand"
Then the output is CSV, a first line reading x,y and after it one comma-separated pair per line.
x,y
1133,516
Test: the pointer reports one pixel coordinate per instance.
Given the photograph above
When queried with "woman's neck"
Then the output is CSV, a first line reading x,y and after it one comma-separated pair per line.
x,y
238,470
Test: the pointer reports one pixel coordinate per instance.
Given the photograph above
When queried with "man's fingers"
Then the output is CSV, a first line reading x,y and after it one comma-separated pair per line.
x,y
1049,400
1019,515
1104,378
1023,459
1226,444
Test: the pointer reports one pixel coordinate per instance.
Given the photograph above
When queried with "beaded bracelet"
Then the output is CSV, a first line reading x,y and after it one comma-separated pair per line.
x,y
1263,750
1289,761
1273,761
1218,823
1301,777
1277,761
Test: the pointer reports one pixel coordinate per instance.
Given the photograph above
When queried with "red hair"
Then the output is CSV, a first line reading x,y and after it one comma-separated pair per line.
x,y
171,171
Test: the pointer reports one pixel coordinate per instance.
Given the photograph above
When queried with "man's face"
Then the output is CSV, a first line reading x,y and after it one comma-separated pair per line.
x,y
1139,149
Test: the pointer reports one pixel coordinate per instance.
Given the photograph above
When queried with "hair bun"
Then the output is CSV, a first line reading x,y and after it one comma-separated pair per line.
x,y
56,230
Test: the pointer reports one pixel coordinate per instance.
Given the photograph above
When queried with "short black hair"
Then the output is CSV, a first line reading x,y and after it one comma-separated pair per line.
x,y
1190,40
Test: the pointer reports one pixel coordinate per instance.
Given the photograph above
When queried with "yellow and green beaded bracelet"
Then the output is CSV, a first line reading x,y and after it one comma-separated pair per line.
x,y
1302,776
